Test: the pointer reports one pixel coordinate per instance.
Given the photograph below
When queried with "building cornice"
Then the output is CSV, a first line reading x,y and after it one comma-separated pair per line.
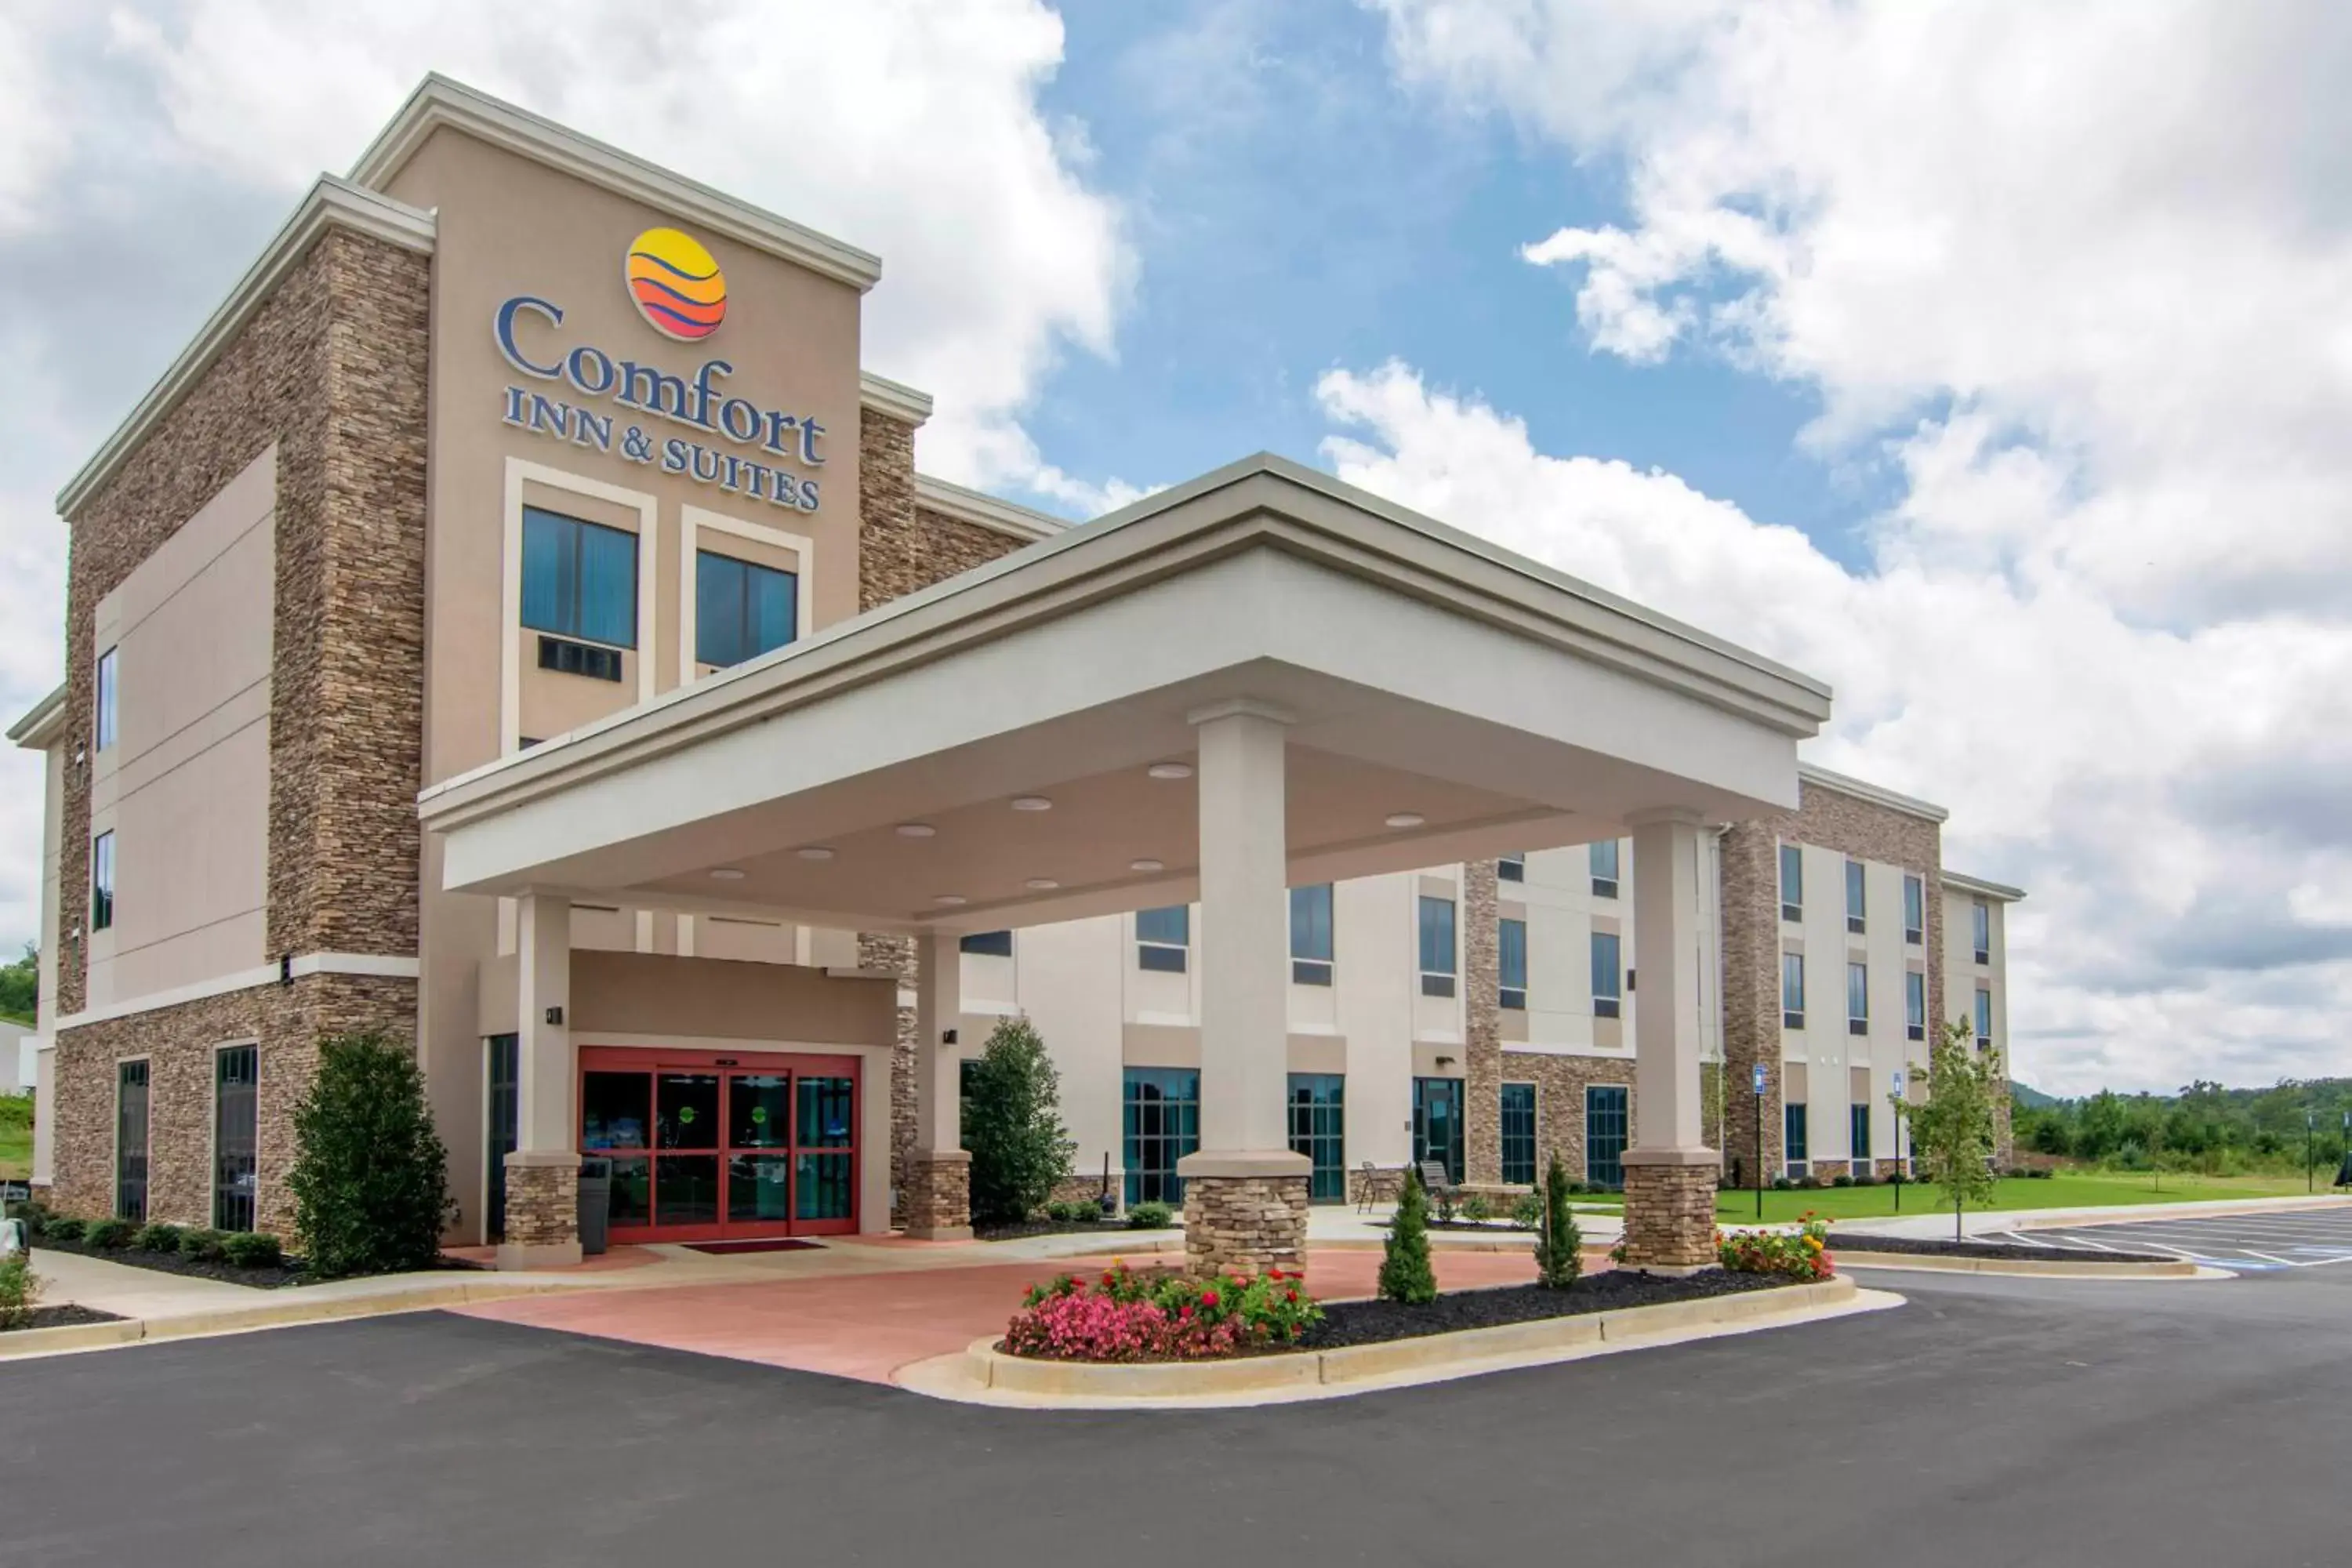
x,y
331,204
1956,882
439,101
295,966
42,723
985,511
894,398
1909,805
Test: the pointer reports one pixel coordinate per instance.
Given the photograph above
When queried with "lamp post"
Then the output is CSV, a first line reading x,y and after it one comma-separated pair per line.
x,y
2310,1120
1902,1171
1760,1143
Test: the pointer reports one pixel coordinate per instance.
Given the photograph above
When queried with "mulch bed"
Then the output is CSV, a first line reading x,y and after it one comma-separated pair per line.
x,y
1374,1322
1106,1227
67,1317
1855,1241
173,1263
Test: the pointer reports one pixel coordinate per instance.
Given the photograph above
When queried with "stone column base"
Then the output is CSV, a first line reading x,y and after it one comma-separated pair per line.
x,y
1670,1209
936,1197
1245,1224
542,1210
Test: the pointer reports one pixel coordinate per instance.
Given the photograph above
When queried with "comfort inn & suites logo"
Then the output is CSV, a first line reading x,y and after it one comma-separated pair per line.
x,y
677,284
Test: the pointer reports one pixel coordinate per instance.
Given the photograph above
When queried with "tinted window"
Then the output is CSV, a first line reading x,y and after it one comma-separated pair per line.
x,y
579,579
741,610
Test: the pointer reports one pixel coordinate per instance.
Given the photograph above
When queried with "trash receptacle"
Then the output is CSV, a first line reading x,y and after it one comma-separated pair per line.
x,y
595,1203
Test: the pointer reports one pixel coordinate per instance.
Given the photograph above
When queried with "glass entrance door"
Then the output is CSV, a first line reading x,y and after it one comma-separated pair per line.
x,y
1437,1123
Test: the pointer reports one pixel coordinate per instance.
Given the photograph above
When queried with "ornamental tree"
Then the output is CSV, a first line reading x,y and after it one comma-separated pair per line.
x,y
370,1178
1559,1246
1013,1126
1952,1132
1406,1273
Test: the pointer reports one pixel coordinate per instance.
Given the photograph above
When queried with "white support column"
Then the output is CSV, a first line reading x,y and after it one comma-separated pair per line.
x,y
938,1178
1245,1192
542,1218
1670,1171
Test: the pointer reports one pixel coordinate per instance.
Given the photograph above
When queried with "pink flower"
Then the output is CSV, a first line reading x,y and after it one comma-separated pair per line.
x,y
1208,1297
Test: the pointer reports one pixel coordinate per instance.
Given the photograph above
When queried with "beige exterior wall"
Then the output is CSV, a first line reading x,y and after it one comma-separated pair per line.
x,y
1964,975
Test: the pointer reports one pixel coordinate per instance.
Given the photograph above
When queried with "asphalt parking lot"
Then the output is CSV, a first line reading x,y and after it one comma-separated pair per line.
x,y
2248,1243
1990,1421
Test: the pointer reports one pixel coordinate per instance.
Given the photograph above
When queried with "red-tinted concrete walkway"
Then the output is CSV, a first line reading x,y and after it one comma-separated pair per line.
x,y
869,1325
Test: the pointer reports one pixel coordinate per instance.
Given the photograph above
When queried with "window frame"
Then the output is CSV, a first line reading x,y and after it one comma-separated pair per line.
x,y
106,714
577,631
1793,882
101,881
744,569
1857,997
232,1209
1915,908
1983,1018
1605,883
1616,1104
1517,1132
1609,1004
125,1180
1857,896
1511,867
1312,967
1511,992
1162,954
1793,1018
1915,1004
1980,930
985,943
1796,1138
1437,982
1857,1135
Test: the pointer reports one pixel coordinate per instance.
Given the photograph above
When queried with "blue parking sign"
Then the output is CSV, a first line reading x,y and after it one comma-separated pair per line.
x,y
1760,1081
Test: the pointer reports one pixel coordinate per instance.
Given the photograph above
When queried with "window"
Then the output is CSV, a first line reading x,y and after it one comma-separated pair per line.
x,y
1436,947
1792,1137
1437,1123
1603,856
237,1074
1858,1131
1984,1016
1310,935
1607,974
101,881
1793,882
1511,868
741,610
104,722
1162,937
1980,920
995,943
131,1140
1792,990
1163,1125
1915,1006
1520,1134
579,579
501,1122
1915,911
1511,964
1606,1123
1854,900
1319,1130
1857,998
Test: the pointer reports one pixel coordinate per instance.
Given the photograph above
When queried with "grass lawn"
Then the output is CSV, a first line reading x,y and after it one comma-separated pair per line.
x,y
16,1137
2067,1190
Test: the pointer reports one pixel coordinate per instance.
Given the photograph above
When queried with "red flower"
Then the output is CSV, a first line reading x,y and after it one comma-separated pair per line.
x,y
1208,1297
1293,1295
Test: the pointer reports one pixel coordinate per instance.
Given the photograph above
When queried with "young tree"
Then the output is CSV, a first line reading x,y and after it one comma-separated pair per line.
x,y
1952,1132
370,1178
1013,1125
1405,1271
1559,1246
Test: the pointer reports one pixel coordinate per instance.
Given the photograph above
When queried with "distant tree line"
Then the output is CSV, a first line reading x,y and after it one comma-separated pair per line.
x,y
2205,1127
20,986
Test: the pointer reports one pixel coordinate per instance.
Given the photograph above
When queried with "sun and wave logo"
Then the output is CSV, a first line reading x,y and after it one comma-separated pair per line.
x,y
677,284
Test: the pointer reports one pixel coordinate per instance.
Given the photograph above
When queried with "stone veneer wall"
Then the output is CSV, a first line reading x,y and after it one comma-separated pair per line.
x,y
903,547
1560,1082
1831,819
332,368
1244,1225
1482,1025
1669,1216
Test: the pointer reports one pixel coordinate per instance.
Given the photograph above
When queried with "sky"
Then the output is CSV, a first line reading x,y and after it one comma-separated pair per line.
x,y
1990,361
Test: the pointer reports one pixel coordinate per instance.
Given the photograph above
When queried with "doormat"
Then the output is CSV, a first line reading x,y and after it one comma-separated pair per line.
x,y
777,1243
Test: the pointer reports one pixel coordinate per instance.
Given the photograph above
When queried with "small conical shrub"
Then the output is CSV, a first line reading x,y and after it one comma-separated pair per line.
x,y
1559,1246
1406,1272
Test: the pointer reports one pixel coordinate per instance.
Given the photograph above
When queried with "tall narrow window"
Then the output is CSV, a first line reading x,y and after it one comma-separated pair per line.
x,y
1163,938
1319,1124
1606,1126
1608,974
1980,920
1601,856
1914,1005
236,1076
1793,882
131,1140
579,579
1310,934
104,718
1511,964
1163,1125
101,881
1792,990
502,1124
1792,1137
1984,1016
993,943
1857,998
1436,947
1915,911
1858,1131
1855,897
1520,1134
1437,1123
1511,868
741,610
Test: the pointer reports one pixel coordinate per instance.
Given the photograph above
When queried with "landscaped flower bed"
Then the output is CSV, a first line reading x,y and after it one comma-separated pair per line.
x,y
1803,1253
1374,1322
1159,1315
68,1316
240,1257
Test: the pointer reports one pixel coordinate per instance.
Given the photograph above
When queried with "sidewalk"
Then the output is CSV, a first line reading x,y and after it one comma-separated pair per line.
x,y
1975,1222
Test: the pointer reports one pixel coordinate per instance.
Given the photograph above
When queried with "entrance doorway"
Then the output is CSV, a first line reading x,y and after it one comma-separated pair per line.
x,y
706,1147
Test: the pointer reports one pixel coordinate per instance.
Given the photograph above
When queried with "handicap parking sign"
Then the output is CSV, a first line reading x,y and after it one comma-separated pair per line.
x,y
1760,1080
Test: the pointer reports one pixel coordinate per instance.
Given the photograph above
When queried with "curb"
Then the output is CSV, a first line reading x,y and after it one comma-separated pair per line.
x,y
25,1343
982,1374
2050,1269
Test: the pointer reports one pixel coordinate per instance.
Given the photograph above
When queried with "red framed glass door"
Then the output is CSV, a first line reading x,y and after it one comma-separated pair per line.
x,y
710,1147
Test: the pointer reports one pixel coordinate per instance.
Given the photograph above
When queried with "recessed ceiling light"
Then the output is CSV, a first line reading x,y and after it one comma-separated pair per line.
x,y
1041,884
916,830
951,899
727,874
1031,802
1406,819
1146,865
1169,770
816,852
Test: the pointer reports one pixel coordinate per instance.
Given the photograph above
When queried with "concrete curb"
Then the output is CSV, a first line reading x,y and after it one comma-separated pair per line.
x,y
2051,1268
316,1308
983,1375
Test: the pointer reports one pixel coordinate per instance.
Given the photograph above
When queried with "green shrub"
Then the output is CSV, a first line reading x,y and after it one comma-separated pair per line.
x,y
1559,1247
1526,1212
107,1234
20,1289
1782,1184
1865,1179
252,1250
1447,1201
1081,1212
1151,1215
1842,1180
204,1245
32,1211
62,1228
1476,1207
1405,1271
157,1236
2041,1173
1578,1189
1013,1125
370,1178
